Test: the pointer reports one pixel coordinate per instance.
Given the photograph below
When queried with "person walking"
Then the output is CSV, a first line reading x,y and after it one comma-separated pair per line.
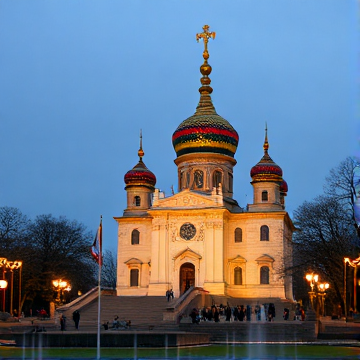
x,y
76,318
62,322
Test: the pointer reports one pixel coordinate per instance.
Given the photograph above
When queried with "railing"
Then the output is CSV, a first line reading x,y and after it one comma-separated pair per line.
x,y
83,299
174,312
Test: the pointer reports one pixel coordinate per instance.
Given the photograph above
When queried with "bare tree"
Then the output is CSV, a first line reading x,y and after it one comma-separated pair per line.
x,y
57,249
13,230
328,230
342,184
108,272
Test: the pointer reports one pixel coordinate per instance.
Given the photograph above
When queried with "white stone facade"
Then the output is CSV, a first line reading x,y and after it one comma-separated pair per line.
x,y
212,251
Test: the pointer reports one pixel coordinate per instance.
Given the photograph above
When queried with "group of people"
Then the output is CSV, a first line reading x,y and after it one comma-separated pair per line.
x,y
299,313
76,319
169,294
120,324
264,312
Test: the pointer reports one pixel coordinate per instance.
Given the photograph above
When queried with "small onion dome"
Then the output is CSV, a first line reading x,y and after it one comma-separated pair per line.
x,y
284,187
266,169
205,131
140,175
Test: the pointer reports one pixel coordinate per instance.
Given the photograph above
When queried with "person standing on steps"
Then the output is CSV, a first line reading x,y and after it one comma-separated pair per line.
x,y
76,318
62,322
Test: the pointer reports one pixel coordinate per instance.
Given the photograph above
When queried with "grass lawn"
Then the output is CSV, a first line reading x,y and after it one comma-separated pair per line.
x,y
259,351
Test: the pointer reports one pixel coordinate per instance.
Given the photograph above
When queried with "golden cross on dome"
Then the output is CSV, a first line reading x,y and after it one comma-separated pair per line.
x,y
206,35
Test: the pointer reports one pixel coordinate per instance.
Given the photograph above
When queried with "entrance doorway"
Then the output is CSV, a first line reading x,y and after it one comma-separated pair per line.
x,y
187,277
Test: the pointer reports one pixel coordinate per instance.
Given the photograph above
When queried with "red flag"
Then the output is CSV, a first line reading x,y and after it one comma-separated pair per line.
x,y
97,245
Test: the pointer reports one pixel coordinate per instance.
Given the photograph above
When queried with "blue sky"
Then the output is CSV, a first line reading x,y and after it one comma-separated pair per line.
x,y
80,78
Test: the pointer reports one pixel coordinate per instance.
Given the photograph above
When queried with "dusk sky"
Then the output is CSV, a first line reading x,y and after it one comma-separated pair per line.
x,y
80,78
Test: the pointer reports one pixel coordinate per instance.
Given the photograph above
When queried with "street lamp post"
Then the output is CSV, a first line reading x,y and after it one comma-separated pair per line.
x,y
322,293
20,273
353,264
3,265
61,285
312,279
3,286
13,265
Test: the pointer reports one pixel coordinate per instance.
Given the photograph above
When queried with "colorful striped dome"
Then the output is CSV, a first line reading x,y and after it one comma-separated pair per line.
x,y
205,131
266,169
140,175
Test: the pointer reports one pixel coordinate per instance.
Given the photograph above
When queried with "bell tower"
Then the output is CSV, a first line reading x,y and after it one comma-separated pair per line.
x,y
140,184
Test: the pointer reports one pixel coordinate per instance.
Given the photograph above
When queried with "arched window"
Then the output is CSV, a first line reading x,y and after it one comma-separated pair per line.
x,y
187,179
217,178
264,233
198,179
238,235
264,275
134,277
135,237
231,181
264,196
238,276
137,201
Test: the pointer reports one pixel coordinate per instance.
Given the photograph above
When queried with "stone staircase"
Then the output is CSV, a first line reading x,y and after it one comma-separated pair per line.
x,y
144,312
147,312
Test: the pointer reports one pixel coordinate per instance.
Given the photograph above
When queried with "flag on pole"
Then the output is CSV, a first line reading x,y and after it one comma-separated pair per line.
x,y
96,248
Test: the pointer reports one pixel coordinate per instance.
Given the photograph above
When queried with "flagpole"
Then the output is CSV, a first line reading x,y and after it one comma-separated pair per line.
x,y
99,291
99,315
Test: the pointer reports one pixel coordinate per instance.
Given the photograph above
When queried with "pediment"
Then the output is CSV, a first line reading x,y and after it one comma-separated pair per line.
x,y
133,261
187,253
237,259
265,258
188,199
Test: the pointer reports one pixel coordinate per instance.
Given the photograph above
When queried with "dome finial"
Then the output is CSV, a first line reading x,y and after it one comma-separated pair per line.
x,y
266,143
205,36
205,105
205,68
141,152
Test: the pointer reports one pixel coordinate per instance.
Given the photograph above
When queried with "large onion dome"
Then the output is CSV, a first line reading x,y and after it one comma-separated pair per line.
x,y
266,169
140,175
205,131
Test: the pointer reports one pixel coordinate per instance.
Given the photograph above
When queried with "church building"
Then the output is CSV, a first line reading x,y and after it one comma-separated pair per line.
x,y
200,236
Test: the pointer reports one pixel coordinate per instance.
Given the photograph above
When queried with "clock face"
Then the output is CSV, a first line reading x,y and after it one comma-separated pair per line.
x,y
187,231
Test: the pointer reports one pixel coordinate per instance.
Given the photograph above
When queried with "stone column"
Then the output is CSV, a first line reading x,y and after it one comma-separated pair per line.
x,y
209,252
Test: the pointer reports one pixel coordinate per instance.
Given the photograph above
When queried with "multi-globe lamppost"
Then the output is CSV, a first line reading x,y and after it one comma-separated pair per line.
x,y
354,264
61,285
318,291
312,279
4,282
322,293
14,265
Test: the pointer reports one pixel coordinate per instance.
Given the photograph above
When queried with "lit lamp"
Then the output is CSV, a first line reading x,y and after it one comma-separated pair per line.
x,y
353,263
3,265
3,286
13,265
312,279
61,285
322,293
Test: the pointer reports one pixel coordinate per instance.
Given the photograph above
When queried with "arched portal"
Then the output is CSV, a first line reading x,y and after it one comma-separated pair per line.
x,y
187,277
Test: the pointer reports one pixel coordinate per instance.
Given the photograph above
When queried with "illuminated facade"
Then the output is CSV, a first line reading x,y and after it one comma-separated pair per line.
x,y
200,236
